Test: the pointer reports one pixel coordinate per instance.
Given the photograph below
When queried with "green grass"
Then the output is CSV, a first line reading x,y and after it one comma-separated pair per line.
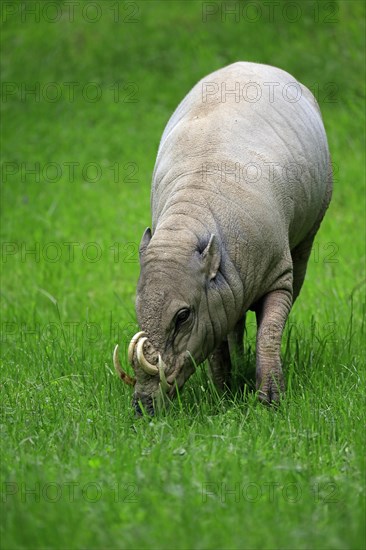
x,y
211,472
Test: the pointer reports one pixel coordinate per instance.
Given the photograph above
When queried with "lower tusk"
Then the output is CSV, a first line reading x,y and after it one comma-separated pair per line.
x,y
143,362
165,386
131,347
121,373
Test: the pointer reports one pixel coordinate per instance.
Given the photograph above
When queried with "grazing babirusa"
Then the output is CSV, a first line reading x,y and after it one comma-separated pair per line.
x,y
241,183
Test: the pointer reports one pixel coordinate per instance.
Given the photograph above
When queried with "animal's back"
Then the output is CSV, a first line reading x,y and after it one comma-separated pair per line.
x,y
254,136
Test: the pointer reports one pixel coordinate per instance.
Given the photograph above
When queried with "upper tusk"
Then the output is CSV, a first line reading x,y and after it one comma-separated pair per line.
x,y
143,362
121,373
165,386
131,347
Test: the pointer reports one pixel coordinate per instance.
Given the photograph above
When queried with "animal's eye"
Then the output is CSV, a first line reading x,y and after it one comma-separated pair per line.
x,y
182,316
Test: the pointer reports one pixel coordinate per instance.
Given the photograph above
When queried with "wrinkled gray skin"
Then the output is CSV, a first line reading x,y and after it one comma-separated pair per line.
x,y
224,242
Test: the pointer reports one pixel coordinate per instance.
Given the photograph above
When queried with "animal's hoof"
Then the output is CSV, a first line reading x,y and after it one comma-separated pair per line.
x,y
269,398
271,391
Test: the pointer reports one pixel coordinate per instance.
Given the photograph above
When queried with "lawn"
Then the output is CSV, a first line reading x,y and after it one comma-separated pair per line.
x,y
86,93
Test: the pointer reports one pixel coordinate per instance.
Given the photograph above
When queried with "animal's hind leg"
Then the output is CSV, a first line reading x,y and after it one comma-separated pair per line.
x,y
300,256
301,253
271,312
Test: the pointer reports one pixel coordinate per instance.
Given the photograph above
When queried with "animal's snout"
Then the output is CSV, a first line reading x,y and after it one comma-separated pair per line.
x,y
143,403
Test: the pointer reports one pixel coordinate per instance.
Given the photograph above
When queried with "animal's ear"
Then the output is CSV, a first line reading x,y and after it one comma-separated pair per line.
x,y
211,257
146,238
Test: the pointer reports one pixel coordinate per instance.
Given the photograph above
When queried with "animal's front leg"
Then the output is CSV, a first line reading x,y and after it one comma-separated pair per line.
x,y
272,312
220,366
235,340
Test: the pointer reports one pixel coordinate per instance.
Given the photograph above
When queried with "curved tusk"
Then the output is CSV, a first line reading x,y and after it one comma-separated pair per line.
x,y
143,362
131,347
165,386
121,373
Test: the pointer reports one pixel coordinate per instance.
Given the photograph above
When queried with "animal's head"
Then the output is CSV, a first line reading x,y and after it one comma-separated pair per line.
x,y
179,297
